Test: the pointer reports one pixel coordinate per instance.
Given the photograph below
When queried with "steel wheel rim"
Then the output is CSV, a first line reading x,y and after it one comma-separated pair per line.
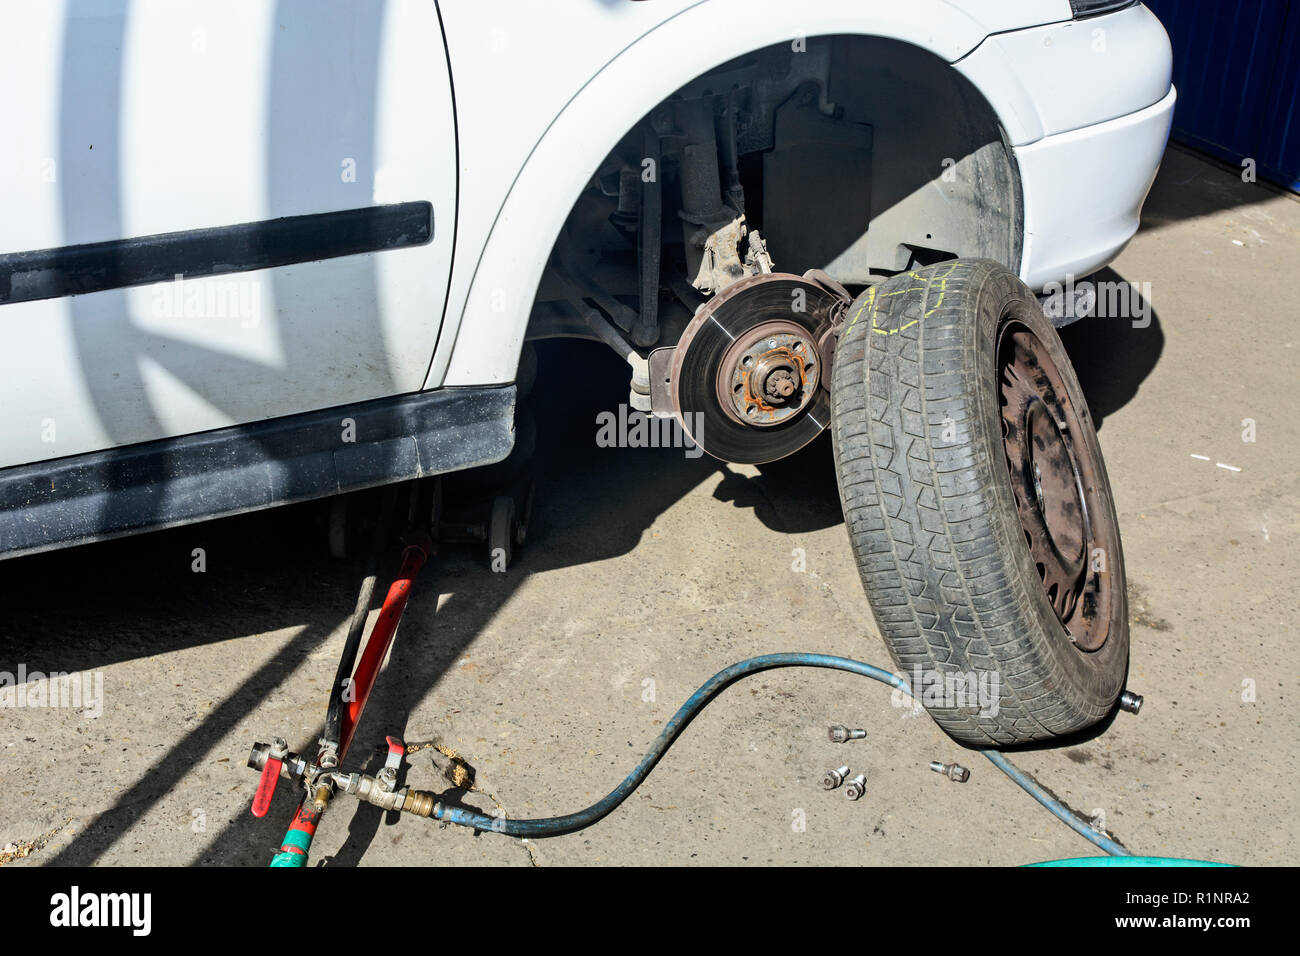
x,y
1056,479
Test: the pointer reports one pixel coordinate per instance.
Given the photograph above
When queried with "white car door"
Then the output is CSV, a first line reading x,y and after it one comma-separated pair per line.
x,y
214,212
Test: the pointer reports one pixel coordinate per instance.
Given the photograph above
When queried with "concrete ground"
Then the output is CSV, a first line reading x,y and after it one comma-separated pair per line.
x,y
646,572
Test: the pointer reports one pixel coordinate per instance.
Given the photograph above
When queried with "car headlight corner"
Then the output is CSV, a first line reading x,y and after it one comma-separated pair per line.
x,y
1093,8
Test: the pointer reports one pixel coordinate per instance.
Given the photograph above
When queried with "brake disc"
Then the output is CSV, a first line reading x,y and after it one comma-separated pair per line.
x,y
749,380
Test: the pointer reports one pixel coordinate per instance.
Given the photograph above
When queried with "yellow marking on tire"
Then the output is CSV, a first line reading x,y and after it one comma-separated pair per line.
x,y
943,290
870,302
871,297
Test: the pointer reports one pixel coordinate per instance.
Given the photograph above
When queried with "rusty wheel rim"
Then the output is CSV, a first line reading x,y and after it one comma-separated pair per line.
x,y
1055,480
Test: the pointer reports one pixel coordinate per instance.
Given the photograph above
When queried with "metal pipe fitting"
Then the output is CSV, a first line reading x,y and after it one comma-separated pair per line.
x,y
422,803
371,790
294,766
321,798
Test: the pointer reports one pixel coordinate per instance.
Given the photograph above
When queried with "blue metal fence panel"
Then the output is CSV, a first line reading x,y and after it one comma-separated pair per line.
x,y
1237,69
1280,156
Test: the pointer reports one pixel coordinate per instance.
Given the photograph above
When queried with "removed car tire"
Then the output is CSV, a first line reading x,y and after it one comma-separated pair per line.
x,y
977,505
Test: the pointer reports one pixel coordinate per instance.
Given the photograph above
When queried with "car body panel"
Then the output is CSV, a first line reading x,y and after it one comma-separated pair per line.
x,y
154,117
1084,192
1065,76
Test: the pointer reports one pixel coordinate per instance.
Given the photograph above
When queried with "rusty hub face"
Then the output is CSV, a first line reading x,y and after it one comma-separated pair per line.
x,y
1055,483
769,374
747,377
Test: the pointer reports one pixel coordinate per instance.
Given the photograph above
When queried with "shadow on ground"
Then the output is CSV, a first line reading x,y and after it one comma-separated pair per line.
x,y
90,607
1191,185
1116,350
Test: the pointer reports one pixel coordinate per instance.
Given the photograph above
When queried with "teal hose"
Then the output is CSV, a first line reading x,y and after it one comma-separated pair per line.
x,y
1134,861
556,826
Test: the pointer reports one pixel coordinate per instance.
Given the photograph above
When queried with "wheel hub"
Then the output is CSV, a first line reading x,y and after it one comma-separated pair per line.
x,y
769,374
748,376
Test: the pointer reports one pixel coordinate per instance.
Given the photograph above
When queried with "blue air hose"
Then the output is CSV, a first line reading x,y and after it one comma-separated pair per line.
x,y
1054,806
557,826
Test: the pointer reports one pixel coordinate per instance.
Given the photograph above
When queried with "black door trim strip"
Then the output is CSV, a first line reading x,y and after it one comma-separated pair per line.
x,y
173,481
119,263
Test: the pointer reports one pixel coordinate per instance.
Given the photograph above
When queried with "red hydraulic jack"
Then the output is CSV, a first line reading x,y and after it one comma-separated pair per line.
x,y
348,699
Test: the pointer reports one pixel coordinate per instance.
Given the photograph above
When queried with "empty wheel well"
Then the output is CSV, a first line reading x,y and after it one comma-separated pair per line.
x,y
860,156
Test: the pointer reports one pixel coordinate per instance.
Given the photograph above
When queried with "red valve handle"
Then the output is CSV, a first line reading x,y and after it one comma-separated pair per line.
x,y
266,786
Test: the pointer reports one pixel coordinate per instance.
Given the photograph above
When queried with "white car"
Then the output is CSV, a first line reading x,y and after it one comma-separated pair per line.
x,y
260,251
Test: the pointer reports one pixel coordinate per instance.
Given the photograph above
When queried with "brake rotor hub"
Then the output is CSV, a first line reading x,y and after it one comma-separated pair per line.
x,y
747,376
769,374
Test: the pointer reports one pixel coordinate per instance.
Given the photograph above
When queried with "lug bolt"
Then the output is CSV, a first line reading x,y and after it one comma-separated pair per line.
x,y
1130,702
856,787
834,778
841,735
953,771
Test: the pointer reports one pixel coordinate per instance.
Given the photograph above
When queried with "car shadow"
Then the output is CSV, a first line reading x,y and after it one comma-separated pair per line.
x,y
89,607
1191,185
1114,351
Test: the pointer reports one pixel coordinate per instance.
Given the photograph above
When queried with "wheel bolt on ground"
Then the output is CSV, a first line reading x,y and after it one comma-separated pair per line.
x,y
840,735
1130,702
953,771
856,787
834,778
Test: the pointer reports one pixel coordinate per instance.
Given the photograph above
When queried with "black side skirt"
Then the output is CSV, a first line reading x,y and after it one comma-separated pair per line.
x,y
228,471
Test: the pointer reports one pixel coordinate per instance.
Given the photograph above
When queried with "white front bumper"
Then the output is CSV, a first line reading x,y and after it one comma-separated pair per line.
x,y
1083,192
1086,106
